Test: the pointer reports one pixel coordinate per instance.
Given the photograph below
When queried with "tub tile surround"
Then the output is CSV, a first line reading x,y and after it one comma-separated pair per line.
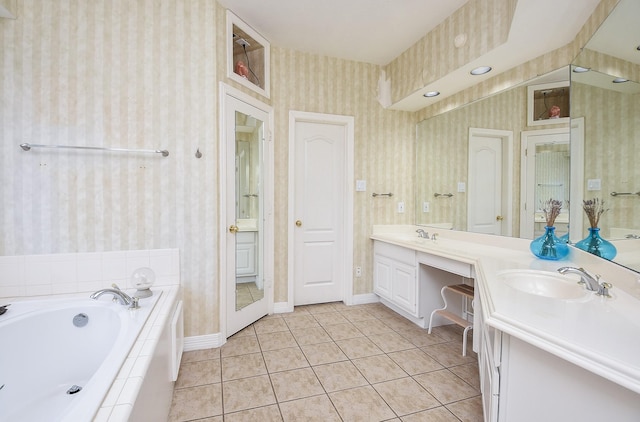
x,y
79,274
582,335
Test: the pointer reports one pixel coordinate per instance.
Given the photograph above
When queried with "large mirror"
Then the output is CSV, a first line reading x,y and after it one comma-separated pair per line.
x,y
604,118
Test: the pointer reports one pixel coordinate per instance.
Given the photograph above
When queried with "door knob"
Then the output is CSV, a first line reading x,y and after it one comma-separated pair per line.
x,y
298,223
233,228
499,218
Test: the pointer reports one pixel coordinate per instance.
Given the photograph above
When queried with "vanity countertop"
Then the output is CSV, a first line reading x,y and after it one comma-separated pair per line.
x,y
599,334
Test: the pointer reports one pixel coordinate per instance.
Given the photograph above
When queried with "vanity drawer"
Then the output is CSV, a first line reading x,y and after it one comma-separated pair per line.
x,y
450,265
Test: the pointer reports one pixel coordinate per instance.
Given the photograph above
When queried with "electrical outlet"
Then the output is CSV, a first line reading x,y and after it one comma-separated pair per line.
x,y
358,271
425,206
400,207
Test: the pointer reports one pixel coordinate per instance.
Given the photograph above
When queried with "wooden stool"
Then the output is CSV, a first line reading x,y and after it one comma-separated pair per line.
x,y
461,289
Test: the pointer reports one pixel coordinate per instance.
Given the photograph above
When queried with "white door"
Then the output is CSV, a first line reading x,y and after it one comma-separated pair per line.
x,y
246,256
485,185
320,249
546,174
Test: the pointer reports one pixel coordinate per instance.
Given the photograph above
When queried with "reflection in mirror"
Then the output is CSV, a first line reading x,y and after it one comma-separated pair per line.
x,y
552,171
249,281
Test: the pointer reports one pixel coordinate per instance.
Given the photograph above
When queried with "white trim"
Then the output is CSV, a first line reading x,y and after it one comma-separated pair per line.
x,y
226,90
531,89
282,307
365,298
209,341
349,122
232,19
577,182
506,138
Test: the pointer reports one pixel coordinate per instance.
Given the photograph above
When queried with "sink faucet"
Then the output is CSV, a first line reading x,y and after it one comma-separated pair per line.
x,y
590,283
422,233
119,295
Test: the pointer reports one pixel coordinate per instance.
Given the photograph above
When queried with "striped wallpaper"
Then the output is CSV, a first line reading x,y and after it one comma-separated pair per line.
x,y
144,74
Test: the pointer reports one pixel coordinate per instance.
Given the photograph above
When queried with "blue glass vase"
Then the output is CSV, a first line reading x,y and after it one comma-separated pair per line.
x,y
596,245
548,246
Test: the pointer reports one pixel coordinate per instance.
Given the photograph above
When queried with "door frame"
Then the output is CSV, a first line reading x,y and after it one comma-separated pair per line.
x,y
268,191
348,194
506,139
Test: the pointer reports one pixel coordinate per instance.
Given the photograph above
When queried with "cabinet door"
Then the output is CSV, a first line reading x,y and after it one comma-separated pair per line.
x,y
404,286
382,276
245,254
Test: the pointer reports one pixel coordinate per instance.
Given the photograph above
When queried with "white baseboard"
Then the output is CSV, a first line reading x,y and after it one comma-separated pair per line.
x,y
208,341
365,298
282,307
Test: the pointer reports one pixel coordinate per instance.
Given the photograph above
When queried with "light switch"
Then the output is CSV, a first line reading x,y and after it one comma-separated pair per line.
x,y
400,207
425,206
462,187
361,185
593,184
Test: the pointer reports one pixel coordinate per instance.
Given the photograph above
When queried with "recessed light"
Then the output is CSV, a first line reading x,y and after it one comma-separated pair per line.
x,y
620,80
432,94
579,69
481,70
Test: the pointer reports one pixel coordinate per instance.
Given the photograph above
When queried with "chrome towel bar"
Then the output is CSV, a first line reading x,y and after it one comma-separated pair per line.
x,y
28,147
448,195
382,194
625,193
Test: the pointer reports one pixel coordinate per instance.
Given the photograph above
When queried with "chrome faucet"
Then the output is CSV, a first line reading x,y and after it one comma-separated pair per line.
x,y
422,233
588,280
118,295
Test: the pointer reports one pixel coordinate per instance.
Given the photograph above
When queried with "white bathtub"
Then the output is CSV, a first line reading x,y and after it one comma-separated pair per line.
x,y
43,355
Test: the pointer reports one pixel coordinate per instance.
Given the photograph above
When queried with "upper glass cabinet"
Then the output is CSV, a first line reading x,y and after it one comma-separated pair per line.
x,y
248,56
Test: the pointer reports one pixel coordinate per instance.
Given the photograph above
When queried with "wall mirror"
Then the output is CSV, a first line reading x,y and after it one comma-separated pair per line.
x,y
609,130
248,56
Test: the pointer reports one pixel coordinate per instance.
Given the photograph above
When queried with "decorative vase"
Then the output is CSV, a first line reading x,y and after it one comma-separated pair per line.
x,y
594,244
548,246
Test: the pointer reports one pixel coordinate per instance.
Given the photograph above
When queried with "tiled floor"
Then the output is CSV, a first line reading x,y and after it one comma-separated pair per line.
x,y
331,362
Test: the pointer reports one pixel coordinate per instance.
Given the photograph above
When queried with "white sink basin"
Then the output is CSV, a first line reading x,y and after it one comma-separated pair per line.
x,y
542,283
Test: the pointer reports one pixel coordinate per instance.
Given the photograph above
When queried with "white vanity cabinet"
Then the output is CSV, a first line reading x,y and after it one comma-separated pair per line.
x,y
394,276
246,248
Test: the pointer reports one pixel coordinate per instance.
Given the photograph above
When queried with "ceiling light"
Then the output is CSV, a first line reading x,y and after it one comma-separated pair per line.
x,y
432,94
481,70
620,80
579,69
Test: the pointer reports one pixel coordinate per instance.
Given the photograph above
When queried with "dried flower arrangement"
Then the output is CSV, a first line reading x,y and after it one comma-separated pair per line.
x,y
551,209
594,208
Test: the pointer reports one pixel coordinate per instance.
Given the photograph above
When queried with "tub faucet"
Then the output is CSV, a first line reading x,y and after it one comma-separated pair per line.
x,y
119,295
587,279
422,233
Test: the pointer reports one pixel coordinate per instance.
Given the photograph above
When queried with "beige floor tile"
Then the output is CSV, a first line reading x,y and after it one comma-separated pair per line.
x,y
446,386
198,355
399,323
320,308
379,368
359,347
343,331
285,359
296,384
420,337
199,373
391,342
361,404
247,393
196,403
448,354
469,410
271,325
469,373
357,315
451,332
322,353
300,321
310,335
330,318
415,361
246,331
339,376
439,414
310,409
406,396
244,366
276,340
240,346
262,414
369,328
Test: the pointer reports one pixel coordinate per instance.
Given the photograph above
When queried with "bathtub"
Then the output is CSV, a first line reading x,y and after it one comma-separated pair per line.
x,y
59,357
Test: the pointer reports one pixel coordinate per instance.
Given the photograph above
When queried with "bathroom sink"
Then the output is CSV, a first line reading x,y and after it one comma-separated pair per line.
x,y
543,283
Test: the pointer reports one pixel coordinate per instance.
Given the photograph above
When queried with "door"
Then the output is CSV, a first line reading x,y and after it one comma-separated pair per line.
x,y
245,211
321,182
489,178
546,173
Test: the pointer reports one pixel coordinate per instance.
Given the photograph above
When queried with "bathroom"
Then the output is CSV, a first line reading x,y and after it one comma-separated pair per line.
x,y
147,76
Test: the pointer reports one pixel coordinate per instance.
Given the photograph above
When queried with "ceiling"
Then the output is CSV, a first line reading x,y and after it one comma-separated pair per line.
x,y
378,31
